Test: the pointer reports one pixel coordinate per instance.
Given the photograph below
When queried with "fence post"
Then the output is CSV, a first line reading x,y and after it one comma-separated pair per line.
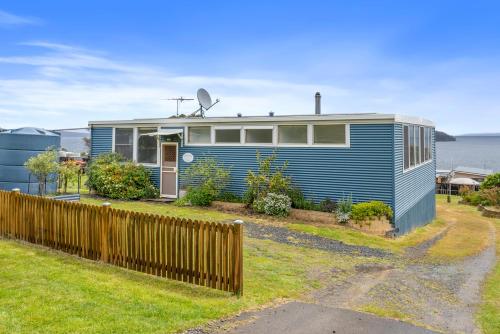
x,y
238,257
104,231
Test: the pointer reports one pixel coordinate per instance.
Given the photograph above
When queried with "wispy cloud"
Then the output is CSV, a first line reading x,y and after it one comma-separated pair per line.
x,y
66,86
8,19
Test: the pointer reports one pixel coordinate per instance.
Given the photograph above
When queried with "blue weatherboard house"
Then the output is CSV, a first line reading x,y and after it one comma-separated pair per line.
x,y
385,157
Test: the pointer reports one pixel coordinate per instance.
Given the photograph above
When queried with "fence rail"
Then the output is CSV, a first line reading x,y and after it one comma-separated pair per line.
x,y
204,253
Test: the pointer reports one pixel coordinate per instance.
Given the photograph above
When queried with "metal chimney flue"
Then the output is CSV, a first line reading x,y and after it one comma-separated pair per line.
x,y
317,103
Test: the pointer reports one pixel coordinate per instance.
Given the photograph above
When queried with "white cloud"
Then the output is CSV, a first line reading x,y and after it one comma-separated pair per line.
x,y
68,86
8,19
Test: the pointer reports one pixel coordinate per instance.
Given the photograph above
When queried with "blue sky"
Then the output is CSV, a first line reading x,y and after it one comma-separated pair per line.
x,y
63,63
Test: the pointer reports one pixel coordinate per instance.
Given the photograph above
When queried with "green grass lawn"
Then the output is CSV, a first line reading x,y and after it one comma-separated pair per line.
x,y
165,209
44,291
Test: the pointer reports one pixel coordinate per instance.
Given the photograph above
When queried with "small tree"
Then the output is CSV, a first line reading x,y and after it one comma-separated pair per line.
x,y
269,178
44,166
68,172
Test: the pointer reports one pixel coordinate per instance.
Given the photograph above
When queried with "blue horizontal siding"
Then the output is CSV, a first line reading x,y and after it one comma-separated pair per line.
x,y
101,141
363,170
413,189
155,175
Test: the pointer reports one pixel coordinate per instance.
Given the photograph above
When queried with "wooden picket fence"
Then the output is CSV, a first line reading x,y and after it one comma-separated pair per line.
x,y
204,253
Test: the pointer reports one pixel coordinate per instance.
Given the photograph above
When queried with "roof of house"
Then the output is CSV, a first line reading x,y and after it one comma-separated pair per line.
x,y
473,170
464,181
356,117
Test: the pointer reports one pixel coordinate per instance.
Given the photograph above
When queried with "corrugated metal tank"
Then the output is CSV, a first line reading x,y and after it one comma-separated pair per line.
x,y
17,146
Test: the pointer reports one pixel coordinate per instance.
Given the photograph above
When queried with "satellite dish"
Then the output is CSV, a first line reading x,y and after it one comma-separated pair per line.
x,y
205,102
204,98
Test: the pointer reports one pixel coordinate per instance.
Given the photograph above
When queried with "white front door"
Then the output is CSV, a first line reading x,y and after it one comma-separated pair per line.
x,y
169,170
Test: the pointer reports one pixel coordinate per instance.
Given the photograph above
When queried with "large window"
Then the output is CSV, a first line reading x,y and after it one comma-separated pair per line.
x,y
406,147
227,136
147,146
259,136
124,142
329,134
292,134
417,145
199,135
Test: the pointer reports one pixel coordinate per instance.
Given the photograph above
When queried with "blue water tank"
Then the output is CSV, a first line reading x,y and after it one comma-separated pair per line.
x,y
17,146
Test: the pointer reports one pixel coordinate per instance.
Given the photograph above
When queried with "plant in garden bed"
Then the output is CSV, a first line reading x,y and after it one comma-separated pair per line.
x,y
109,175
269,179
488,195
343,210
205,180
369,210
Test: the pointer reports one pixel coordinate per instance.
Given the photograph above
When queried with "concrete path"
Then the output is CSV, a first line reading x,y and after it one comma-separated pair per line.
x,y
299,318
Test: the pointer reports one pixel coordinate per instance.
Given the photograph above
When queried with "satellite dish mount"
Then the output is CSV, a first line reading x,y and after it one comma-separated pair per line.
x,y
205,102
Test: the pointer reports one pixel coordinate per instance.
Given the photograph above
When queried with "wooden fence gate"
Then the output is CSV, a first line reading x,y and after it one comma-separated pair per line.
x,y
204,253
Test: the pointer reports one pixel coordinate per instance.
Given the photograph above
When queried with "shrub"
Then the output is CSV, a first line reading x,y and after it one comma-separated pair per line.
x,y
277,205
344,209
229,197
110,176
206,175
44,166
258,205
327,205
491,181
472,198
299,201
491,196
268,178
200,196
370,210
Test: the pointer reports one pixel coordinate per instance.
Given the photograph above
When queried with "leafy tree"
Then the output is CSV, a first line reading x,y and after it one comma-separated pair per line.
x,y
68,173
44,166
491,181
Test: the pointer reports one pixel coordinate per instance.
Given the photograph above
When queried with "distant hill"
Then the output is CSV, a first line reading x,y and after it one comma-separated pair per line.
x,y
442,136
480,135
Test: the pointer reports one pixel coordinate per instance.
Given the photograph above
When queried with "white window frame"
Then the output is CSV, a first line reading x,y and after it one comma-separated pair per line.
x,y
274,128
113,140
158,147
188,143
259,127
135,146
422,163
347,135
226,127
276,140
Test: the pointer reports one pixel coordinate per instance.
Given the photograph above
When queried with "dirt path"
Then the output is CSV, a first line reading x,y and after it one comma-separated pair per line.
x,y
438,296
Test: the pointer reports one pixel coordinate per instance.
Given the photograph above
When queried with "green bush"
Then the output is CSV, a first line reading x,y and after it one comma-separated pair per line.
x,y
268,178
472,198
299,201
370,210
229,197
344,209
327,205
200,196
205,179
491,181
277,205
110,176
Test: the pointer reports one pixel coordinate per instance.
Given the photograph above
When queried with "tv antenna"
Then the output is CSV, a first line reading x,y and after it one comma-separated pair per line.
x,y
205,102
179,100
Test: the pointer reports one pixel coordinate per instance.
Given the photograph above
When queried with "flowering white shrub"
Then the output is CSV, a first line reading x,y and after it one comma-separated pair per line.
x,y
277,205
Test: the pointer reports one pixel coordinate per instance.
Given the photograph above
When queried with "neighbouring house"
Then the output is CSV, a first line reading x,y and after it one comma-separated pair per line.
x,y
383,157
16,147
451,181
